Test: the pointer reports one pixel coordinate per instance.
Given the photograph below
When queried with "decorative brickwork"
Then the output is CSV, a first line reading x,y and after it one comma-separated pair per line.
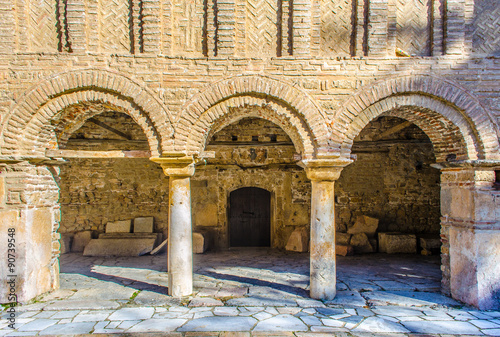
x,y
476,127
42,103
486,27
336,27
413,26
216,101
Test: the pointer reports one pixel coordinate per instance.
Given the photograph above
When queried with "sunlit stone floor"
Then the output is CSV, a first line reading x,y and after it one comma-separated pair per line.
x,y
251,290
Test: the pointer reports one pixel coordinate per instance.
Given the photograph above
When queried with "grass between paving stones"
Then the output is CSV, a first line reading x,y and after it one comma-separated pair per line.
x,y
134,295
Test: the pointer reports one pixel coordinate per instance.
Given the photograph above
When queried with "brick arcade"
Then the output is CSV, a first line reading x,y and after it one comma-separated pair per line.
x,y
163,108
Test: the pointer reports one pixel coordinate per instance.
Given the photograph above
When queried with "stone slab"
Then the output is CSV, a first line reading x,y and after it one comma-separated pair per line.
x,y
364,224
430,243
200,243
348,298
143,224
87,304
281,323
408,298
159,325
441,327
80,240
344,250
205,302
69,329
261,302
119,247
298,241
397,243
37,325
219,323
152,298
379,325
129,314
342,238
361,243
128,236
122,226
161,248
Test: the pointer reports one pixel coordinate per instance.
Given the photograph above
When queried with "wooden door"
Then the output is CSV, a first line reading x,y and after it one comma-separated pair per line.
x,y
250,217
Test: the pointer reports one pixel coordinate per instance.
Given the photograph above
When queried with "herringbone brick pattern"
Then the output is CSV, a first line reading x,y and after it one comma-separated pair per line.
x,y
42,22
412,29
486,34
114,26
261,27
336,27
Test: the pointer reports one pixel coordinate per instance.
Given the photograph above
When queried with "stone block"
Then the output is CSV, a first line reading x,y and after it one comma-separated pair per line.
x,y
344,250
397,243
298,241
119,247
122,226
80,240
430,245
342,238
65,242
364,224
361,243
143,225
200,243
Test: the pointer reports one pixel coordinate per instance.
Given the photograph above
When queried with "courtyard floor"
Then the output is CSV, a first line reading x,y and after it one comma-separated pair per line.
x,y
251,292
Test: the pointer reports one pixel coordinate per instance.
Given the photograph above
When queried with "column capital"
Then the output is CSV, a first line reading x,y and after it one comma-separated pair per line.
x,y
176,165
324,169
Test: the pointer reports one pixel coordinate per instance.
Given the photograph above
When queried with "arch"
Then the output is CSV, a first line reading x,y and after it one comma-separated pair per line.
x,y
438,106
281,103
28,126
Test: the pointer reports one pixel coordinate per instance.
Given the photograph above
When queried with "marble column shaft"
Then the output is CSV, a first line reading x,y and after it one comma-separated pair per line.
x,y
323,174
180,231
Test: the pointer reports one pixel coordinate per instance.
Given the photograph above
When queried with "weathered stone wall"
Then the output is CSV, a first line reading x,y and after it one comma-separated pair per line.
x,y
96,191
251,153
391,180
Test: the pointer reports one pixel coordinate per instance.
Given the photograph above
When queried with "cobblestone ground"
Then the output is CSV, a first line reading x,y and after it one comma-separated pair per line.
x,y
247,292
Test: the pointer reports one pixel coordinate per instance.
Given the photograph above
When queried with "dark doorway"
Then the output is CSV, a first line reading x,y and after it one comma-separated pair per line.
x,y
250,217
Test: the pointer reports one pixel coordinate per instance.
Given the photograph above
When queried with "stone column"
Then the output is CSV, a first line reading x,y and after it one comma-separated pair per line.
x,y
323,174
470,232
179,169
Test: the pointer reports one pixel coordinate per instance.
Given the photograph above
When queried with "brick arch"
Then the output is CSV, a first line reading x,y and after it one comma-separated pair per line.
x,y
448,131
196,118
25,128
236,108
436,100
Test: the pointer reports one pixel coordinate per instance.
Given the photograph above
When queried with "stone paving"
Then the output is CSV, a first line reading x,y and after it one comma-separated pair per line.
x,y
250,291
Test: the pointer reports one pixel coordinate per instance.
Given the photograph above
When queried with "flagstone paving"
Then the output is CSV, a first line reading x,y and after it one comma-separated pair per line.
x,y
250,291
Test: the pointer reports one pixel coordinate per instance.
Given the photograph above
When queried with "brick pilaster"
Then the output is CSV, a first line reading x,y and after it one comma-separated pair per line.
x,y
225,30
302,33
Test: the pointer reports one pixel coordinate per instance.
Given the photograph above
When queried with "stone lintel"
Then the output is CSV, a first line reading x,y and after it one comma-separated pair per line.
x,y
176,165
324,169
